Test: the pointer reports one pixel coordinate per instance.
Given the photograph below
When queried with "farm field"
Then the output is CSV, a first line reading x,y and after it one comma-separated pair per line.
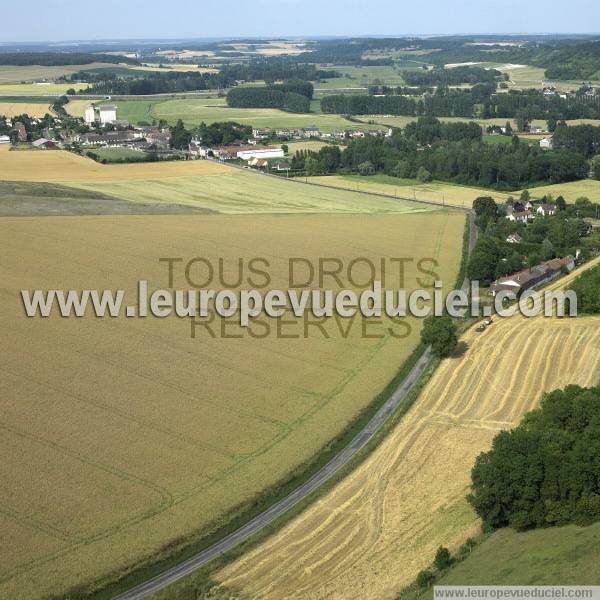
x,y
356,77
33,109
198,184
570,191
184,430
371,534
194,111
435,191
38,89
31,73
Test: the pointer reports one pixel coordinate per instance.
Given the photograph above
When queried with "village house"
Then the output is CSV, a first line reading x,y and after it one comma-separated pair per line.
x,y
261,133
528,279
280,166
514,238
110,138
547,143
546,210
521,217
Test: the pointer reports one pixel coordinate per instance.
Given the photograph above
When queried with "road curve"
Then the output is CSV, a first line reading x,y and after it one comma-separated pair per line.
x,y
265,518
276,510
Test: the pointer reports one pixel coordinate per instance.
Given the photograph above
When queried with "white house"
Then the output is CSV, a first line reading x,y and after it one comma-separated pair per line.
x,y
521,217
261,152
547,143
546,209
4,139
514,238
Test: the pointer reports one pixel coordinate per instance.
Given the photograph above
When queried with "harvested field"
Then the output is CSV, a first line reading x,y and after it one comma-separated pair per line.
x,y
122,435
61,166
376,529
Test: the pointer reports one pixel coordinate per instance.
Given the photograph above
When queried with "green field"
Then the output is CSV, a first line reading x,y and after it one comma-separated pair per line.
x,y
193,111
38,89
554,556
356,79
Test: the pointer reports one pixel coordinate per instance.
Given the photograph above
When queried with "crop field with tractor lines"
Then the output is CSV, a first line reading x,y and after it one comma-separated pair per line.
x,y
375,530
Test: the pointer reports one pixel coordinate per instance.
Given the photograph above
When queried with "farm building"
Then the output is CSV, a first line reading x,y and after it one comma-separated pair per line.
x,y
262,152
105,114
43,144
528,279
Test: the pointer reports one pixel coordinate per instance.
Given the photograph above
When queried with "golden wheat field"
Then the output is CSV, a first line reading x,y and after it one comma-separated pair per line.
x,y
62,166
376,529
14,109
122,435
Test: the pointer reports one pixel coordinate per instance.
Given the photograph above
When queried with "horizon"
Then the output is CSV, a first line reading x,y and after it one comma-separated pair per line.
x,y
310,19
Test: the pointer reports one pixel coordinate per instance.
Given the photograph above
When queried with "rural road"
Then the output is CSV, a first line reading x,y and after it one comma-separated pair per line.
x,y
282,506
267,517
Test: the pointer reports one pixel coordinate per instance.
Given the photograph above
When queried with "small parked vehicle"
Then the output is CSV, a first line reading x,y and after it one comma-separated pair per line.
x,y
480,328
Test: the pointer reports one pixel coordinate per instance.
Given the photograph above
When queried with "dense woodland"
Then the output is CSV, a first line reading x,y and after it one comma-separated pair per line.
x,y
454,76
546,471
294,96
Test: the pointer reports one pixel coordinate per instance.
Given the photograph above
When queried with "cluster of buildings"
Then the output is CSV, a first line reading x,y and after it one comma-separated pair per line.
x,y
529,211
306,133
528,279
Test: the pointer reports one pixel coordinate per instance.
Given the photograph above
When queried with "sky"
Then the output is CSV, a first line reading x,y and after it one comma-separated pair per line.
x,y
54,20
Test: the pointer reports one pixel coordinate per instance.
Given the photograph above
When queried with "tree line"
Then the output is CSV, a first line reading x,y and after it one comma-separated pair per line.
x,y
546,470
481,101
584,139
51,59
